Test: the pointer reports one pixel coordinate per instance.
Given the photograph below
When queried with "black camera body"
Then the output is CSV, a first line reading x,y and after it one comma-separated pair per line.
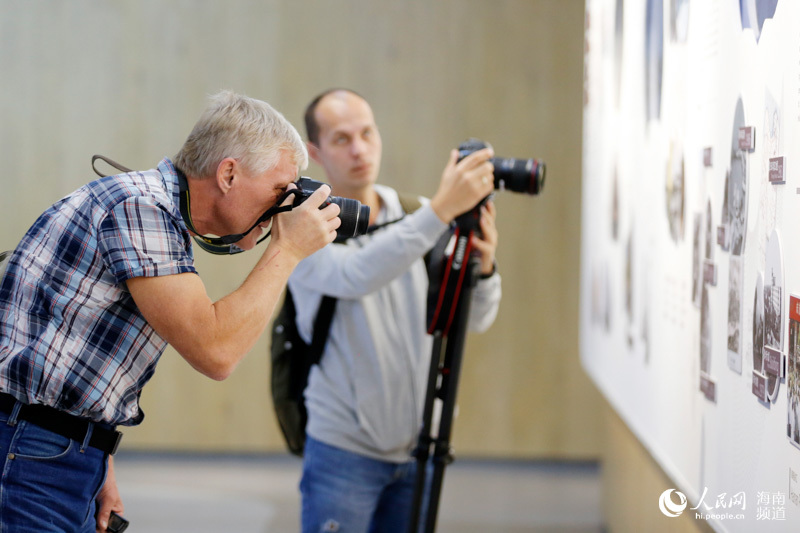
x,y
116,524
516,175
354,215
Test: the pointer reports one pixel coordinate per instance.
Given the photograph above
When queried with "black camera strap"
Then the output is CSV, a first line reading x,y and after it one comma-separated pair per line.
x,y
224,245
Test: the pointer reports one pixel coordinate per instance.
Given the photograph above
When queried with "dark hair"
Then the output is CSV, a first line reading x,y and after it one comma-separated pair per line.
x,y
312,128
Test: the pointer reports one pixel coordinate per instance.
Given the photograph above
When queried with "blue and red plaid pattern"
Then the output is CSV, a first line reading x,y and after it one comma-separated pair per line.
x,y
71,336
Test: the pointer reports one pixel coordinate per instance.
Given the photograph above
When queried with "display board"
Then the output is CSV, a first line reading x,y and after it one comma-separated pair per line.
x,y
690,268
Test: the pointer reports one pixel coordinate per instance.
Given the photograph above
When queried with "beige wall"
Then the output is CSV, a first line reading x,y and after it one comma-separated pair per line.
x,y
632,484
129,78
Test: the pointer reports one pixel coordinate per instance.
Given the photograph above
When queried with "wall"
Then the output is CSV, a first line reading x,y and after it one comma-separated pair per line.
x,y
689,324
632,483
128,79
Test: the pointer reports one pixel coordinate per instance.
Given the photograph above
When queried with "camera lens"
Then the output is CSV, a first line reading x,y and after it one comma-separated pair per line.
x,y
354,216
518,175
510,174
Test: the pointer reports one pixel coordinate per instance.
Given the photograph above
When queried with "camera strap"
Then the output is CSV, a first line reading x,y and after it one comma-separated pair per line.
x,y
224,245
110,162
448,273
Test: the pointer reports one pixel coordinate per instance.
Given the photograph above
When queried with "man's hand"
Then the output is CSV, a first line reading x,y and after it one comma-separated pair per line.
x,y
306,228
108,499
486,243
464,184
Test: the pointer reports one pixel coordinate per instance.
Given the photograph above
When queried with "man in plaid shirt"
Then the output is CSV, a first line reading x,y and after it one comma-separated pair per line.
x,y
105,278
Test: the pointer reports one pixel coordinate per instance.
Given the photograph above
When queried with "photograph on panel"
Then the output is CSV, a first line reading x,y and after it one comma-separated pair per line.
x,y
654,57
793,372
737,183
773,314
758,325
773,291
724,233
709,255
619,19
697,260
771,132
705,332
735,315
676,192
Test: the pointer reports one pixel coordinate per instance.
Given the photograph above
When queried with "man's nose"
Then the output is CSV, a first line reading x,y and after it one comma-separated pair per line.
x,y
357,147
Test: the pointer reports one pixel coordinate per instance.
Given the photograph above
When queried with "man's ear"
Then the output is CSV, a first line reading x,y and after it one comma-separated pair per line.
x,y
226,173
313,152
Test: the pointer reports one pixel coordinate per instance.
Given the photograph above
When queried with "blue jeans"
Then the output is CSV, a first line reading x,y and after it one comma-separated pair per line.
x,y
348,493
49,482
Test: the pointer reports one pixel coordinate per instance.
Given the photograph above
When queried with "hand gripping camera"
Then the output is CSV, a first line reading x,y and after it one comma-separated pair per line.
x,y
446,269
516,175
452,277
354,215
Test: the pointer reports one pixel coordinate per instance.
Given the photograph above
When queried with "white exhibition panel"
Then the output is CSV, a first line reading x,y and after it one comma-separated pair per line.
x,y
690,248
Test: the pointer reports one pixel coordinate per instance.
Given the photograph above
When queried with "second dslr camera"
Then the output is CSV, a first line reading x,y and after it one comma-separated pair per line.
x,y
516,175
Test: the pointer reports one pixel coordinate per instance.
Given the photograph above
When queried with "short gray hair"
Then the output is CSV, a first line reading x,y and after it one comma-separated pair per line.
x,y
248,130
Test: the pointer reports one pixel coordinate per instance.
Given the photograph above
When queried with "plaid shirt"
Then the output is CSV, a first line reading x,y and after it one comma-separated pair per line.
x,y
71,336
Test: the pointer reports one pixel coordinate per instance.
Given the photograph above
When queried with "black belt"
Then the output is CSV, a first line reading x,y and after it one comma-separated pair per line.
x,y
70,426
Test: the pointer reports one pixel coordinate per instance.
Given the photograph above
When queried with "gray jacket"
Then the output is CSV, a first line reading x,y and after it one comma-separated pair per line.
x,y
366,395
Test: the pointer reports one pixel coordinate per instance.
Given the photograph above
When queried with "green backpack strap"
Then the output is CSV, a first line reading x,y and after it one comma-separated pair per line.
x,y
409,202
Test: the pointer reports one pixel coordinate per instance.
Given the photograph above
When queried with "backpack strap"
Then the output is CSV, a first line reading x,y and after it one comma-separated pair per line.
x,y
409,202
322,327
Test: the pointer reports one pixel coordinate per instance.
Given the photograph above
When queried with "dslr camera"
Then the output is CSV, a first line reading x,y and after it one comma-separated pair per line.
x,y
516,175
354,215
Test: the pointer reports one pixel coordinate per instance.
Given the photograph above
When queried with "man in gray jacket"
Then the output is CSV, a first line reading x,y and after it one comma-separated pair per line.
x,y
365,398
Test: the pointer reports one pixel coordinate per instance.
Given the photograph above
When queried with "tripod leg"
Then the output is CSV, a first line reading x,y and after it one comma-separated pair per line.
x,y
423,449
451,370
